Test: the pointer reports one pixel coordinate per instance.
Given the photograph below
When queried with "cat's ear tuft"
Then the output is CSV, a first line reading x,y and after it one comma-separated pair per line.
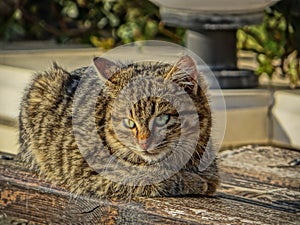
x,y
104,67
184,73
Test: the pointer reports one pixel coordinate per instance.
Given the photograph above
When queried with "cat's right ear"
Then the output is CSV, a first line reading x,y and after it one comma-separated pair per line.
x,y
104,67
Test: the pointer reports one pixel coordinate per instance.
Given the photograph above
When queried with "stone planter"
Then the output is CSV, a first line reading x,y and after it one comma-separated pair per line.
x,y
211,33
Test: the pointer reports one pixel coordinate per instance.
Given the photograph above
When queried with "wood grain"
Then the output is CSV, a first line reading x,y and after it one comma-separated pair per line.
x,y
242,199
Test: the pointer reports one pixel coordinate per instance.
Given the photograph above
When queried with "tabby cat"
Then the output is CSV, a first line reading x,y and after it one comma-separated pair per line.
x,y
132,140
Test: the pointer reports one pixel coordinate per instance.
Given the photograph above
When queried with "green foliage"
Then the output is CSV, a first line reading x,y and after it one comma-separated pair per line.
x,y
276,42
103,23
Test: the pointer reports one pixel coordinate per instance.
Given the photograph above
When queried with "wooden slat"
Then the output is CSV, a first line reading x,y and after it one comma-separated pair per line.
x,y
266,195
241,200
263,164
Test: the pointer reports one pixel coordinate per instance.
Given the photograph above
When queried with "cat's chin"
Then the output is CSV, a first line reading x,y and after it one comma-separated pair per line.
x,y
153,156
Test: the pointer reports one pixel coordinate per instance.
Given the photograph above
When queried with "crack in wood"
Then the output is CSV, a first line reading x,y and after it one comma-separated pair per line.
x,y
91,211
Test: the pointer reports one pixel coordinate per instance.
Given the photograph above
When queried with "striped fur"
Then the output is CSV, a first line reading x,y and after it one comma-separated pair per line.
x,y
136,91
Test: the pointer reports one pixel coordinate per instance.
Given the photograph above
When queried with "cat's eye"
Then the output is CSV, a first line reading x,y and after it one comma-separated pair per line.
x,y
162,120
128,123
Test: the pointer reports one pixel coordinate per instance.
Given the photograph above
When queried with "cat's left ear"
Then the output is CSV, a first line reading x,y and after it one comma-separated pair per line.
x,y
104,67
184,73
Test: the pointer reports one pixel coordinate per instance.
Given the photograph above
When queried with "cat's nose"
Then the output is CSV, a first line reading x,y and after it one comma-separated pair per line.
x,y
144,146
144,139
144,143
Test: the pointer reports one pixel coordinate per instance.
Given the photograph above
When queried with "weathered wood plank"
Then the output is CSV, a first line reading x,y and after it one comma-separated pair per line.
x,y
263,163
242,199
266,195
264,174
24,196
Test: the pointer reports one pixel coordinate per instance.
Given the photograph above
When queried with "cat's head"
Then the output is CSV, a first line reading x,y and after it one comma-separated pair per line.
x,y
138,114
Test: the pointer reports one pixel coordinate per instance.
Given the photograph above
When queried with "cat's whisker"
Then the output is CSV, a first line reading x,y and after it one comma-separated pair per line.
x,y
111,160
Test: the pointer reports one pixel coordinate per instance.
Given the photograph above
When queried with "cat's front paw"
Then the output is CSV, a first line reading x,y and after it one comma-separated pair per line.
x,y
193,184
211,188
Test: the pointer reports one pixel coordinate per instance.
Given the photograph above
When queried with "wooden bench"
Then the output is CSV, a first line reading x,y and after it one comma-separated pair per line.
x,y
260,185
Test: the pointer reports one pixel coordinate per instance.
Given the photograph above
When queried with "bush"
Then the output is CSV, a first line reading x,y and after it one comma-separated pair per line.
x,y
276,41
102,23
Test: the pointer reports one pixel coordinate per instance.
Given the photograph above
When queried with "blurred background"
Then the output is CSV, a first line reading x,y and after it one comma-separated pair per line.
x,y
108,23
35,32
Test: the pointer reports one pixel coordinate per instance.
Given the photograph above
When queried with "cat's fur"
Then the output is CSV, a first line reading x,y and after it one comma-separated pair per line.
x,y
47,131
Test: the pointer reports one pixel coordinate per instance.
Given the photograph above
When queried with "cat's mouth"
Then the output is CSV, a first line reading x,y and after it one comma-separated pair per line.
x,y
149,149
151,153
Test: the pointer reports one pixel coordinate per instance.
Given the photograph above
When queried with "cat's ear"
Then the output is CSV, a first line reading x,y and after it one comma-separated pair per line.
x,y
104,67
184,73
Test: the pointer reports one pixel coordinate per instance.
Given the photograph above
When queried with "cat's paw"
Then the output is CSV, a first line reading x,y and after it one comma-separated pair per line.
x,y
211,188
213,182
193,184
